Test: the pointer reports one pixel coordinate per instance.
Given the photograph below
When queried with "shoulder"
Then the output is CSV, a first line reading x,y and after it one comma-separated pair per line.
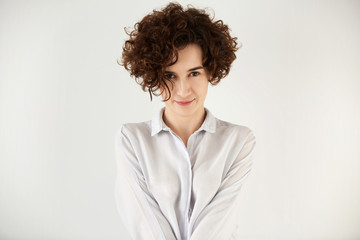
x,y
134,130
237,138
234,130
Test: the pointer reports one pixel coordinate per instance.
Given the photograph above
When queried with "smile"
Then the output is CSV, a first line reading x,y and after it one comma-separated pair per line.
x,y
184,103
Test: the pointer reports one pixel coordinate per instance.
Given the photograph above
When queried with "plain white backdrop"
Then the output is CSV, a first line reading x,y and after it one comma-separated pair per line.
x,y
295,83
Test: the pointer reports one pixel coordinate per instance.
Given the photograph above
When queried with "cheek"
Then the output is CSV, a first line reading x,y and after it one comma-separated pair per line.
x,y
203,88
165,92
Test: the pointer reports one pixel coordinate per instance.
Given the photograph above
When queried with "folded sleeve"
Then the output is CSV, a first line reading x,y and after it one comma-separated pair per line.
x,y
218,219
136,205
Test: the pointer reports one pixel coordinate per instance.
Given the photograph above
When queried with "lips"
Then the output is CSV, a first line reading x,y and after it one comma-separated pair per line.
x,y
184,103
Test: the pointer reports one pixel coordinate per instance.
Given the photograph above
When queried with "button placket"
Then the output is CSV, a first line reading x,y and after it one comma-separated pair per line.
x,y
187,148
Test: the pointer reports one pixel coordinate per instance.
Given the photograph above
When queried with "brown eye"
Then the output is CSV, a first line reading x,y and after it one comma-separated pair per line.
x,y
194,74
169,76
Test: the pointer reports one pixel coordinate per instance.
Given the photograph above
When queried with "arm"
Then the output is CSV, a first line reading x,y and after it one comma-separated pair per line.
x,y
137,207
218,218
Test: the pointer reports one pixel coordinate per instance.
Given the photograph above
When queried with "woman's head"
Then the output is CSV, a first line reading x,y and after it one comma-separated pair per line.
x,y
155,41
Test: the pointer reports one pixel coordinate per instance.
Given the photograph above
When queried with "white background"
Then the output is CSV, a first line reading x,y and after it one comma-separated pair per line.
x,y
295,83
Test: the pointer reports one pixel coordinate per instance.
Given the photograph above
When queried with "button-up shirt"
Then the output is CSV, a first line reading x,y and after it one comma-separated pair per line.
x,y
165,190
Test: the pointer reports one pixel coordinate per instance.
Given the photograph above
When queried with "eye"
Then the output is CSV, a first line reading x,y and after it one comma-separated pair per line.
x,y
194,74
169,76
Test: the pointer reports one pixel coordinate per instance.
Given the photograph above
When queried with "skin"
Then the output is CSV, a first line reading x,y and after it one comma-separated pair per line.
x,y
191,82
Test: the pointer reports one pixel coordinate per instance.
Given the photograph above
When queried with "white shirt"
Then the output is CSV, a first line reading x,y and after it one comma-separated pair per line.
x,y
165,190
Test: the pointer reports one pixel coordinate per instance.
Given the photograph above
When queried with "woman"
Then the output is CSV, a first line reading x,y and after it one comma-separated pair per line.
x,y
180,174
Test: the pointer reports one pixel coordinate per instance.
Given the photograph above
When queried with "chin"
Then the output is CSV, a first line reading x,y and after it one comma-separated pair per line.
x,y
186,110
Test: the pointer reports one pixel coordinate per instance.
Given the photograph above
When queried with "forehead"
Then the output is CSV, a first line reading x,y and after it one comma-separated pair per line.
x,y
188,57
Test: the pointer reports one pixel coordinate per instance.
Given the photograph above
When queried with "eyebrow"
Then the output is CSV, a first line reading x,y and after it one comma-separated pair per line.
x,y
191,69
195,68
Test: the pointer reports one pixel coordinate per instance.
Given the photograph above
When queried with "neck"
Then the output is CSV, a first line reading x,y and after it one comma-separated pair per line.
x,y
184,126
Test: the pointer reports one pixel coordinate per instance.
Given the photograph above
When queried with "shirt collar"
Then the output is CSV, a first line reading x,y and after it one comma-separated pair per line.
x,y
157,123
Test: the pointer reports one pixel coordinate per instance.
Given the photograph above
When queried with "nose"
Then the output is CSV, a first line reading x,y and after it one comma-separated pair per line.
x,y
183,87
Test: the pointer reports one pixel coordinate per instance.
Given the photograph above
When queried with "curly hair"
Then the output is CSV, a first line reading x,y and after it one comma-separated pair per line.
x,y
155,40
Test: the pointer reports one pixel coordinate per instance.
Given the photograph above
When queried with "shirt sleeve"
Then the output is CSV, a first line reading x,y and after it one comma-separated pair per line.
x,y
136,205
219,218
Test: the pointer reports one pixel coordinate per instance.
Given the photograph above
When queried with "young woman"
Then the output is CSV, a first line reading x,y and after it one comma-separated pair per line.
x,y
180,174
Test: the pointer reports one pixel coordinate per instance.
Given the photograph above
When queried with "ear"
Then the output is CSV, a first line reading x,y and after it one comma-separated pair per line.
x,y
210,76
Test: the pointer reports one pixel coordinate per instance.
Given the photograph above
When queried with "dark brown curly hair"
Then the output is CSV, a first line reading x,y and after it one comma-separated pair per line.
x,y
155,40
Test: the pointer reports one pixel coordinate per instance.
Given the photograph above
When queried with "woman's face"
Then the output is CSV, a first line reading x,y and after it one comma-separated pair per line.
x,y
190,82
